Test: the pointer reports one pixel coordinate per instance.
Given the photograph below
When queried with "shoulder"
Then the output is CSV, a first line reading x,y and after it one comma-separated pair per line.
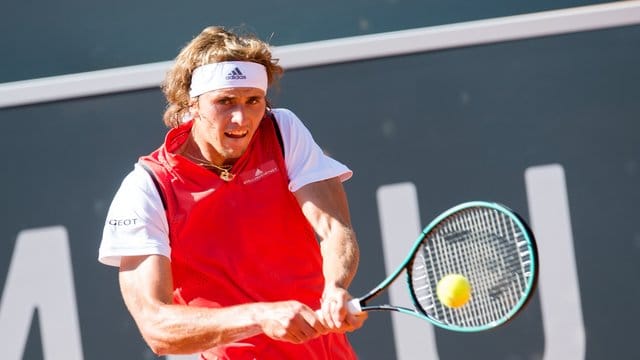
x,y
305,160
287,119
138,180
283,114
137,191
292,129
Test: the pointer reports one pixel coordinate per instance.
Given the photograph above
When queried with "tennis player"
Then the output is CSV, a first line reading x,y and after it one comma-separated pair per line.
x,y
236,230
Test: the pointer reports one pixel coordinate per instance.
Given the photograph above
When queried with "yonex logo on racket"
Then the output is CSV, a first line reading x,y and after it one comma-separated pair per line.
x,y
236,74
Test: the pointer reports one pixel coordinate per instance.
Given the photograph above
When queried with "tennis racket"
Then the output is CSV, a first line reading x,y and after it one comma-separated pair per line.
x,y
488,244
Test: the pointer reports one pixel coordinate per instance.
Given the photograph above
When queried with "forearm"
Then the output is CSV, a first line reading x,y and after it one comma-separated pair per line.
x,y
326,208
179,329
146,286
340,255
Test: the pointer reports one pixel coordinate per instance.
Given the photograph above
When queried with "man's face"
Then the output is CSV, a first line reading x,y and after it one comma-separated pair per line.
x,y
226,120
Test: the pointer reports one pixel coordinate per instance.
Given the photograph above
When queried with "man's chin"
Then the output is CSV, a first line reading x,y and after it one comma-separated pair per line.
x,y
231,157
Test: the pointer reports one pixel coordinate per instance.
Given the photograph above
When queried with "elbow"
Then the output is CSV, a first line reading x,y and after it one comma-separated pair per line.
x,y
164,346
163,340
159,337
159,349
158,344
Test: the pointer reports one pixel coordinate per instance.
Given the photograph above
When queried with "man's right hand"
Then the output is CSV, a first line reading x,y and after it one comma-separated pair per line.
x,y
290,321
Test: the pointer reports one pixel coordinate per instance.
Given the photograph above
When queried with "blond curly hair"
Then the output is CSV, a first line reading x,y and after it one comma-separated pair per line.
x,y
213,44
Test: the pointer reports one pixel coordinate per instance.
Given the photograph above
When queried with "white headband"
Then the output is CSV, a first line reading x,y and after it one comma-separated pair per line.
x,y
228,74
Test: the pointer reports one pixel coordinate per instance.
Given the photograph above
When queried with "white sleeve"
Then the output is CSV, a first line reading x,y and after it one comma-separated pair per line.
x,y
306,162
136,222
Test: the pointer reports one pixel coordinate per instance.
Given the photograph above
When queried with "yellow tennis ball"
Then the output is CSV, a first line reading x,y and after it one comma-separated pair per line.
x,y
454,290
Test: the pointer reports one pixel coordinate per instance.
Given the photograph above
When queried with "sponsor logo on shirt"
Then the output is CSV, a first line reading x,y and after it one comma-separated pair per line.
x,y
122,222
253,175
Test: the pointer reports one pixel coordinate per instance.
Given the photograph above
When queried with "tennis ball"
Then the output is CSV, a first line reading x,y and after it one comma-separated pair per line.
x,y
454,290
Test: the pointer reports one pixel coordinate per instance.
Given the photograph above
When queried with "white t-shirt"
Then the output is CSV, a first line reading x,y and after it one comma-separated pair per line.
x,y
137,224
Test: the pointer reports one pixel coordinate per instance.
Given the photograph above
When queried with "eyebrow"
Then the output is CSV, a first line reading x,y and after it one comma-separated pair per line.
x,y
223,95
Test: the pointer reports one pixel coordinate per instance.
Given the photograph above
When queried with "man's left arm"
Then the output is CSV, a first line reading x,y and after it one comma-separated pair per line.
x,y
324,204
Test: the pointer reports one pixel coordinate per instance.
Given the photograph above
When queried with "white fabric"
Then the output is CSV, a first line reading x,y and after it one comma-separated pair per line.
x,y
228,74
136,222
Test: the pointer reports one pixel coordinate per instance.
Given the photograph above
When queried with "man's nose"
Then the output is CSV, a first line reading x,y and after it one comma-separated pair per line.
x,y
238,114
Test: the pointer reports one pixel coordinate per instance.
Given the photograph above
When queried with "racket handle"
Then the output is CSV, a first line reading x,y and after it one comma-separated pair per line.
x,y
354,307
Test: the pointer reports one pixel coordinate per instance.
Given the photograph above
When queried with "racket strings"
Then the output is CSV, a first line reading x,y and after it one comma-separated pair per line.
x,y
504,289
490,250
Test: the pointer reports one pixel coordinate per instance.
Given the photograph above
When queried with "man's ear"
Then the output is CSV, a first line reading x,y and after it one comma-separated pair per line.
x,y
194,107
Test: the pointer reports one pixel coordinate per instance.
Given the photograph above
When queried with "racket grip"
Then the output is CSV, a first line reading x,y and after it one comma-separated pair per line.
x,y
354,307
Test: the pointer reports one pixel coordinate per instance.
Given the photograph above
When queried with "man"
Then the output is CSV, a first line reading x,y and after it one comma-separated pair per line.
x,y
219,255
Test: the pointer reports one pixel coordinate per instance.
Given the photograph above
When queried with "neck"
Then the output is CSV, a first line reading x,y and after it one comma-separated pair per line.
x,y
192,152
199,154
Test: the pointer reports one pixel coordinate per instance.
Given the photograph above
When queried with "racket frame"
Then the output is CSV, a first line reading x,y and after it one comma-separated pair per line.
x,y
360,304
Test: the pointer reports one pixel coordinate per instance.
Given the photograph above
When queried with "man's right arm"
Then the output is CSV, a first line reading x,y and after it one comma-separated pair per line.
x,y
146,286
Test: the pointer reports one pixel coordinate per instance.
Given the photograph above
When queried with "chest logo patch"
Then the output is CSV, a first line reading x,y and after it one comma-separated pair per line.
x,y
252,175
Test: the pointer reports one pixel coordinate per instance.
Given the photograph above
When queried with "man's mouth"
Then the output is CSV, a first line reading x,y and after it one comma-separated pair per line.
x,y
236,134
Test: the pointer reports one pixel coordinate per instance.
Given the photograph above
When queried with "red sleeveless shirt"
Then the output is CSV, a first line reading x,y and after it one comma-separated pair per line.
x,y
242,241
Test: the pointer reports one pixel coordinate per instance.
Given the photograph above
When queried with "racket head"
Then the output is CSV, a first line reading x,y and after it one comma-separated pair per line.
x,y
492,247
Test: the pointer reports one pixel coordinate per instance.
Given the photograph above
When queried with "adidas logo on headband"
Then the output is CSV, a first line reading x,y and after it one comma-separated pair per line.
x,y
236,74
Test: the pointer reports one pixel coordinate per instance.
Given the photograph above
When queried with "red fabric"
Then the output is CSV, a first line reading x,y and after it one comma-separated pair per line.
x,y
242,241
